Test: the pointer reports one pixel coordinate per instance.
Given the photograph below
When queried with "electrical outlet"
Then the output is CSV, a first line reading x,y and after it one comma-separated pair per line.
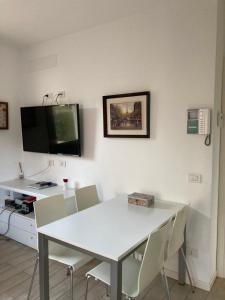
x,y
62,163
61,94
194,178
48,96
51,162
192,252
51,96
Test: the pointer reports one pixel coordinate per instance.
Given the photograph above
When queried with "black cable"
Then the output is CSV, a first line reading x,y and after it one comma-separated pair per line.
x,y
208,140
6,208
57,96
8,224
40,172
43,99
56,99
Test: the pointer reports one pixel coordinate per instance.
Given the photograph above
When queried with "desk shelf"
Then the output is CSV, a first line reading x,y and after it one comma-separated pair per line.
x,y
23,227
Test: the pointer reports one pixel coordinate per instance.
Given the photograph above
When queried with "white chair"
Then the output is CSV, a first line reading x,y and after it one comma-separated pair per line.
x,y
49,210
136,276
86,197
177,239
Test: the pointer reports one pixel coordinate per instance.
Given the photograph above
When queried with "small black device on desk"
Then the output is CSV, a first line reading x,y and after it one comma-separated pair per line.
x,y
42,185
26,207
23,204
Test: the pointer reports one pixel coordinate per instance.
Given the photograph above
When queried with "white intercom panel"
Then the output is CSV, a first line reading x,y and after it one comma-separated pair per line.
x,y
198,121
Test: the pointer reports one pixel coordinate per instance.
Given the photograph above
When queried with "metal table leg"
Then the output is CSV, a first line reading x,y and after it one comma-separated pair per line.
x,y
182,268
43,267
116,280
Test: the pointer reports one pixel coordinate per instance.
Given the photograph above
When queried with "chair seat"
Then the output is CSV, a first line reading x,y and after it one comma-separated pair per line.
x,y
68,256
130,271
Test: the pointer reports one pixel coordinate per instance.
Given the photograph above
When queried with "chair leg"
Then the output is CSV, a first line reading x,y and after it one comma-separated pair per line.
x,y
165,283
107,290
188,272
71,281
32,278
86,292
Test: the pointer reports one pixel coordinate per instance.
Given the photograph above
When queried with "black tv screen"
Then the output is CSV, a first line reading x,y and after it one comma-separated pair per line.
x,y
51,129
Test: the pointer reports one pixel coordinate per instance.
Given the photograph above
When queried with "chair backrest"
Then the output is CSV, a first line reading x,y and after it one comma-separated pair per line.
x,y
177,234
153,258
86,197
49,209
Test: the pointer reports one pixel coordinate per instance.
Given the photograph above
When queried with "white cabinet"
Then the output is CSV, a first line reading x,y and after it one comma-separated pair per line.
x,y
22,228
23,236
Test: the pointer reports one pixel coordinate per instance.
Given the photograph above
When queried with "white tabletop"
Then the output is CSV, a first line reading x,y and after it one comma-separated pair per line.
x,y
113,228
21,186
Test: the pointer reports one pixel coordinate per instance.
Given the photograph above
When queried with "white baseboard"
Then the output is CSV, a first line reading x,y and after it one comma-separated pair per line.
x,y
197,283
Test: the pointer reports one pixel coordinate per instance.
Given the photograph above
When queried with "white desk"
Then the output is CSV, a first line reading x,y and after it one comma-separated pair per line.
x,y
21,186
109,231
23,227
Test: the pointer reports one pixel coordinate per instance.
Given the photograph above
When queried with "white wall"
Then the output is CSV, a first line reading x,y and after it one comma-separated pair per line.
x,y
10,140
170,51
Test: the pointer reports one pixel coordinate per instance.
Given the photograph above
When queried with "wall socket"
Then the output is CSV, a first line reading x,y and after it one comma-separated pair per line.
x,y
51,162
62,163
61,94
49,97
192,252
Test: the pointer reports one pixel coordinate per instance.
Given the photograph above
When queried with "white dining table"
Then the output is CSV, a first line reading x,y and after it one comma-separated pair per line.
x,y
109,231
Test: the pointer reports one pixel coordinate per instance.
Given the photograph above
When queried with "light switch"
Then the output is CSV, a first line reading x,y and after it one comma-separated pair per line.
x,y
194,178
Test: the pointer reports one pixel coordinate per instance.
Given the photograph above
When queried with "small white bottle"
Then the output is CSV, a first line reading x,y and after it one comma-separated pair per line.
x,y
66,184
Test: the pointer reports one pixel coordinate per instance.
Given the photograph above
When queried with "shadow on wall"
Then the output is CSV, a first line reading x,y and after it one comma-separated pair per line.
x,y
88,121
154,113
198,247
198,227
198,240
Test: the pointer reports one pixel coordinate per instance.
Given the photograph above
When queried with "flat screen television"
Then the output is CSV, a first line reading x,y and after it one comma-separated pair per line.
x,y
51,129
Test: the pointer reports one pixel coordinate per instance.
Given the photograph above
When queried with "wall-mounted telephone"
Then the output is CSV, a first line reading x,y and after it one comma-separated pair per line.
x,y
198,122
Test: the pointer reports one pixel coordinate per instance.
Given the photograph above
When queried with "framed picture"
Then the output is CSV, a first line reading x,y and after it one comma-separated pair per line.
x,y
4,122
127,115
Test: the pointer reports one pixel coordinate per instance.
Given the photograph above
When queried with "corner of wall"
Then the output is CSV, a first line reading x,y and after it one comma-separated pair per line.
x,y
216,131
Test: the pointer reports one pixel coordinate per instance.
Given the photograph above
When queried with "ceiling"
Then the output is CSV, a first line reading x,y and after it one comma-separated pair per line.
x,y
26,22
